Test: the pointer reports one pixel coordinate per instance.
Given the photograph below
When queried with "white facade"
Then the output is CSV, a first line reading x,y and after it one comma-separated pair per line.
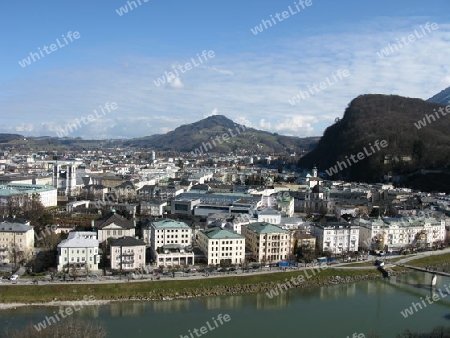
x,y
336,237
79,250
170,242
221,246
270,216
47,194
396,233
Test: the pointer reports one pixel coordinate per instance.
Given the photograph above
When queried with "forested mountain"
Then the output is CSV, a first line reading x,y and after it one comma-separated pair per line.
x,y
411,145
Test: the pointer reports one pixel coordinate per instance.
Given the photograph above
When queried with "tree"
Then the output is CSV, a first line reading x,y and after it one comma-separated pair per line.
x,y
52,272
74,272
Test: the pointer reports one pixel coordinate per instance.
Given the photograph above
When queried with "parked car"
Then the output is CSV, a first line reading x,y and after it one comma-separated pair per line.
x,y
14,277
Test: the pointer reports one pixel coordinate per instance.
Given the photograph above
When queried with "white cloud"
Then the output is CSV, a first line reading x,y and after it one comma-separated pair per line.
x,y
215,111
257,93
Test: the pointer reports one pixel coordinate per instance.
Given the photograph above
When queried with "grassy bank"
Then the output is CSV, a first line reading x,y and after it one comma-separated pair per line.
x,y
173,288
430,260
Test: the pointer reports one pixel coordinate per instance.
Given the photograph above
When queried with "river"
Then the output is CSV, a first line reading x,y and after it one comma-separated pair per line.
x,y
332,311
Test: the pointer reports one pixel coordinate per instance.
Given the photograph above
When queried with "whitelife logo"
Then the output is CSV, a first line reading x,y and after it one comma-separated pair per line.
x,y
53,47
205,330
361,156
71,127
423,123
418,306
391,48
220,139
124,10
318,88
284,14
169,76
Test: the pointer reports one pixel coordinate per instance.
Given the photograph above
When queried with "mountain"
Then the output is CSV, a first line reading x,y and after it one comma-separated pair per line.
x,y
410,145
442,98
219,134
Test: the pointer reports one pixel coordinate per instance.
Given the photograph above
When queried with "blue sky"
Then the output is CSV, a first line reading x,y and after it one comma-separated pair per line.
x,y
250,79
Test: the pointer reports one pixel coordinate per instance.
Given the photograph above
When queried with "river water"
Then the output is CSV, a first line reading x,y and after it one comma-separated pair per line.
x,y
332,311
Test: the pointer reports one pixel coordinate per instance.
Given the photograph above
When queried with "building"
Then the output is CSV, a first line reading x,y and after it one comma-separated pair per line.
x,y
19,236
127,254
184,206
336,237
221,246
267,242
305,241
170,242
113,226
286,206
271,216
47,194
152,207
393,234
79,251
315,200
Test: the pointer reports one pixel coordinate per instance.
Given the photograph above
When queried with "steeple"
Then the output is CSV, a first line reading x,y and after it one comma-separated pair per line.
x,y
315,171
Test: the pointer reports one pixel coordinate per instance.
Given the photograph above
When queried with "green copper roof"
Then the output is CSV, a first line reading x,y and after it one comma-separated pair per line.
x,y
219,233
169,224
266,228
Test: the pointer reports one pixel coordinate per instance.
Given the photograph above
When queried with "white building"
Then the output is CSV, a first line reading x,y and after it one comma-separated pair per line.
x,y
127,254
336,237
269,216
79,251
47,194
221,246
396,233
170,242
15,235
268,242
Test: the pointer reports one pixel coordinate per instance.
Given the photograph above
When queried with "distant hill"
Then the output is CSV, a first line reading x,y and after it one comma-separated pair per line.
x,y
381,117
5,138
208,133
442,98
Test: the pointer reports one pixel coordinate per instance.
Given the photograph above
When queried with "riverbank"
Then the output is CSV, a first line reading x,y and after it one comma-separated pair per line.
x,y
60,294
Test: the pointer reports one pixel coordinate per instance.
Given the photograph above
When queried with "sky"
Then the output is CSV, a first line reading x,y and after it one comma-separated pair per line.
x,y
329,51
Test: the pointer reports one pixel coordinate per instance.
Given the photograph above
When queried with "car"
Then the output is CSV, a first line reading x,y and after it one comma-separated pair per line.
x,y
14,277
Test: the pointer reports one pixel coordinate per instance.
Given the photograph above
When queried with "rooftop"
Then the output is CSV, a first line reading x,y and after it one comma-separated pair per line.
x,y
127,241
169,224
113,218
219,233
266,228
14,227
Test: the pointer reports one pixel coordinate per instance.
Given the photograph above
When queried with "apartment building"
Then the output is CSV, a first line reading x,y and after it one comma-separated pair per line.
x,y
221,246
15,235
267,242
170,242
127,254
79,251
336,237
392,234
